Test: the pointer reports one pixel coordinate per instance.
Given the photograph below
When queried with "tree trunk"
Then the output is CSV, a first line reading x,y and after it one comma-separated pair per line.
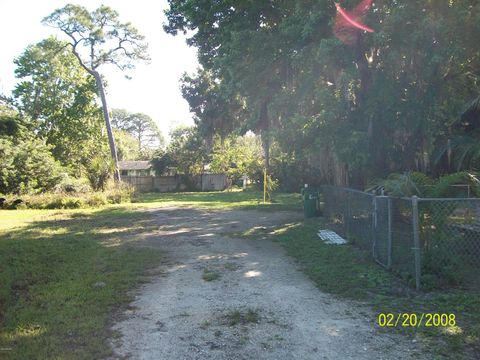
x,y
106,116
265,133
266,148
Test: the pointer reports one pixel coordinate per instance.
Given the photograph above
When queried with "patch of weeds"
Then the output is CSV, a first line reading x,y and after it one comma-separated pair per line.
x,y
276,337
252,316
231,266
233,317
243,340
266,346
236,317
210,275
204,325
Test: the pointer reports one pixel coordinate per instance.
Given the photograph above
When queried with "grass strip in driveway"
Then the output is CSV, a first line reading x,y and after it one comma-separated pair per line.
x,y
220,200
62,277
350,273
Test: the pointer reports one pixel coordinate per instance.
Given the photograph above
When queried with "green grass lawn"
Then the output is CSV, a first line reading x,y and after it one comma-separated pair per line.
x,y
350,273
220,200
64,273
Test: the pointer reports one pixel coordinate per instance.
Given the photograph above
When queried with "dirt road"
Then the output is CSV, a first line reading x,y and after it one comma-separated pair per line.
x,y
220,297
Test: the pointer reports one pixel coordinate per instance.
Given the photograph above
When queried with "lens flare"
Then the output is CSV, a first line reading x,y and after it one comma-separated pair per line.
x,y
347,24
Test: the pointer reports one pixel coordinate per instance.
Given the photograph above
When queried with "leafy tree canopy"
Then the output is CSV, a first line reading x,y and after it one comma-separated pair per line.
x,y
98,37
127,146
237,156
59,97
141,127
11,123
27,166
351,112
186,153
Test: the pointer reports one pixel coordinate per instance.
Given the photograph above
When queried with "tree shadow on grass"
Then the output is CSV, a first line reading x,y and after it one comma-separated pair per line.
x,y
61,278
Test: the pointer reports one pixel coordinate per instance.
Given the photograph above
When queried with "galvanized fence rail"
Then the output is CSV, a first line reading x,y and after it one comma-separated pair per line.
x,y
424,240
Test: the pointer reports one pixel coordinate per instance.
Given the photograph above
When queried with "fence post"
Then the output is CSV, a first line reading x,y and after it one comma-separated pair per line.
x,y
374,226
347,215
389,249
416,241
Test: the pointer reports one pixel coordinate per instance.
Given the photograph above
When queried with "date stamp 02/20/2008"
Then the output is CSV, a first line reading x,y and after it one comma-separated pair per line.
x,y
416,320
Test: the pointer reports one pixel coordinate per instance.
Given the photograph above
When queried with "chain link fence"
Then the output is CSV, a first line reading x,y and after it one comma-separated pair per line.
x,y
434,242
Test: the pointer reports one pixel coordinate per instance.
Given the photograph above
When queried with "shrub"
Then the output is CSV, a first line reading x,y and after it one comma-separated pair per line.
x,y
46,201
116,194
415,183
64,203
407,184
13,203
99,170
27,166
73,185
444,185
97,199
119,193
61,198
272,186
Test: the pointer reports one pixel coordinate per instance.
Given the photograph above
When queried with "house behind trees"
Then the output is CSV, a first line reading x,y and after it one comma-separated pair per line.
x,y
136,168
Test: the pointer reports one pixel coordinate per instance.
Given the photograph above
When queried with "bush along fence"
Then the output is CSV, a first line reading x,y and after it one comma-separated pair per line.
x,y
428,242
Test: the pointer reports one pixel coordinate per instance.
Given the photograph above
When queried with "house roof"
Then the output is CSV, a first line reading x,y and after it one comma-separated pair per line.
x,y
134,165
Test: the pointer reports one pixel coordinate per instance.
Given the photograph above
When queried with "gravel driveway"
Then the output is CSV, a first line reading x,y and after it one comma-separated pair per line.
x,y
220,297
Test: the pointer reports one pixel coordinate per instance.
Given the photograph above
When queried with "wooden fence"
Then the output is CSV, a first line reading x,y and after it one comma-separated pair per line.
x,y
204,182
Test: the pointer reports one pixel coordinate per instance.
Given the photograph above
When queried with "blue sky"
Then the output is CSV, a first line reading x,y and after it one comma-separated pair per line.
x,y
153,89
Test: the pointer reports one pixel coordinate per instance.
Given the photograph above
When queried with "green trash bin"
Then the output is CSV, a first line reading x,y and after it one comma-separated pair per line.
x,y
310,198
